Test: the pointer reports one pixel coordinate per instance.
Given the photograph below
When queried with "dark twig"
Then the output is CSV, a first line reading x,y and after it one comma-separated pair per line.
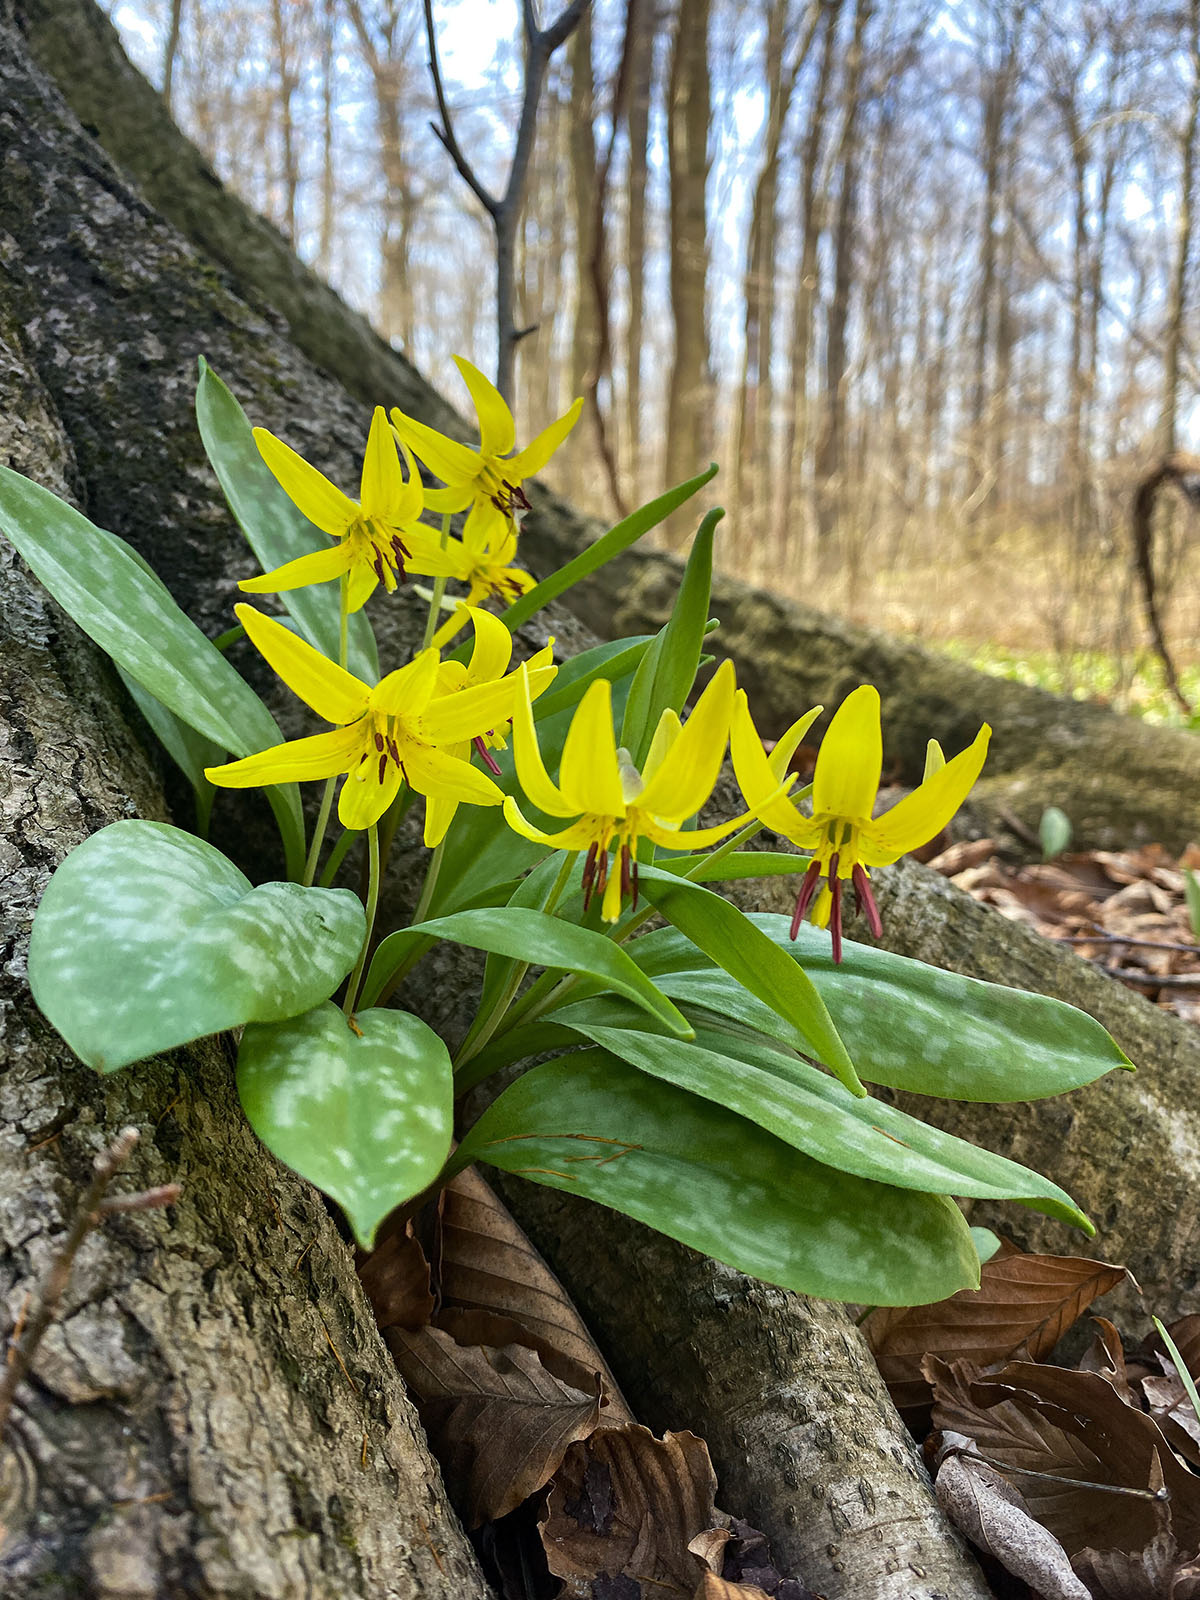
x,y
1147,980
93,1209
504,210
1125,938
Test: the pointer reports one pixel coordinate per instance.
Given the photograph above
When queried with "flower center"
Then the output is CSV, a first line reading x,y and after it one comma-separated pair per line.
x,y
379,546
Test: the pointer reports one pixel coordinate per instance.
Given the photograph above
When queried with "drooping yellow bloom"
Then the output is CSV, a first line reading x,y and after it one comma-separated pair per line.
x,y
615,803
378,535
486,570
488,664
489,479
842,834
403,730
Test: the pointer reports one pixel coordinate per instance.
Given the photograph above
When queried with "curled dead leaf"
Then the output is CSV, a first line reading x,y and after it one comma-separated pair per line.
x,y
992,1514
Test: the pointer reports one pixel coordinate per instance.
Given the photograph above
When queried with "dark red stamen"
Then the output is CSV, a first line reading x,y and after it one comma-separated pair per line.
x,y
835,915
635,884
865,900
804,899
378,740
626,877
486,755
589,873
394,752
601,871
382,767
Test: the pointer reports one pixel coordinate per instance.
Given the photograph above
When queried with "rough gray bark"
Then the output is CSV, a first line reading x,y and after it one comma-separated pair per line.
x,y
189,1429
800,1427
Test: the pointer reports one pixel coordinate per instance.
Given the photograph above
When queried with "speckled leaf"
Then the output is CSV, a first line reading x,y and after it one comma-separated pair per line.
x,y
148,937
365,1115
592,1125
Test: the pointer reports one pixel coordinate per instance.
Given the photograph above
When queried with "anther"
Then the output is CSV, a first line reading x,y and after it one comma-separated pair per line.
x,y
835,916
382,767
626,876
804,899
486,755
378,740
589,873
394,752
864,899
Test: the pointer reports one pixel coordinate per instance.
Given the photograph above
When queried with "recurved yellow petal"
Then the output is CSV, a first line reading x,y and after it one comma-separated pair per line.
x,y
697,839
486,533
435,772
786,747
927,810
531,770
455,464
493,646
850,760
497,433
588,774
448,500
686,777
577,837
668,730
382,481
367,792
316,567
321,756
759,784
332,692
408,690
454,717
935,759
535,455
322,502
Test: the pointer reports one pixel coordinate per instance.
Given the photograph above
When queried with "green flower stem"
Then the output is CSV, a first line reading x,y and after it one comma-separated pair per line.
x,y
337,855
356,976
230,636
314,854
439,589
430,884
484,1027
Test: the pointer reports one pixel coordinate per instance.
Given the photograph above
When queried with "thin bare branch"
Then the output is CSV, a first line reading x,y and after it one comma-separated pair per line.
x,y
446,132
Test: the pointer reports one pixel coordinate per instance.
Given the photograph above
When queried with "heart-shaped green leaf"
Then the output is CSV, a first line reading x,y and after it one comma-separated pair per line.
x,y
592,1125
364,1111
275,529
147,937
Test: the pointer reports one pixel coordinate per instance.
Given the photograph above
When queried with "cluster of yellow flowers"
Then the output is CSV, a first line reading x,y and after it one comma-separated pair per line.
x,y
419,723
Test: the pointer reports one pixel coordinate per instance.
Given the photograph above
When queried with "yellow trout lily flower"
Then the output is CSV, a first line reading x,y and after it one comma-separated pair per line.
x,y
400,731
489,662
614,802
842,834
489,479
486,571
378,535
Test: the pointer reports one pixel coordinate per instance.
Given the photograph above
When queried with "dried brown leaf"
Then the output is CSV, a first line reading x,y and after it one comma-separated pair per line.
x,y
625,1504
748,1561
396,1277
714,1588
1070,1441
1156,1573
1106,1356
498,1420
962,854
993,1516
1024,1302
486,1263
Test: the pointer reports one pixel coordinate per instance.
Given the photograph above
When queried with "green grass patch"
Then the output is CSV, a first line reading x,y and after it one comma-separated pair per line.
x,y
1135,688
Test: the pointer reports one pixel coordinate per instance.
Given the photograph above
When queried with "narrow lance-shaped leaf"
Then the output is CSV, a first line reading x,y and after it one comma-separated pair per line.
x,y
628,531
592,1125
126,609
667,672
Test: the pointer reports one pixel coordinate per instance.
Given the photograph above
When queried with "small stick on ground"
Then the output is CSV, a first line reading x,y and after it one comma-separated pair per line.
x,y
93,1209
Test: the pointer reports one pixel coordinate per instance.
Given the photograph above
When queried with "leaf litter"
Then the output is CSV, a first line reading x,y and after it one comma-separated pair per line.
x,y
567,1497
1080,1483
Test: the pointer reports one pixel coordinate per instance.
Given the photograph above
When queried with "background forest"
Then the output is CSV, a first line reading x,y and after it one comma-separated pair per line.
x,y
920,273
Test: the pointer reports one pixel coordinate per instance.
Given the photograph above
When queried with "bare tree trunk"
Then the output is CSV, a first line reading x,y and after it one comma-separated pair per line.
x,y
1177,292
171,51
812,222
285,90
639,27
689,406
585,333
829,459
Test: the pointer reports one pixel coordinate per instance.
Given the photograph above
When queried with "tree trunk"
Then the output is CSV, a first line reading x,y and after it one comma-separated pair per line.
x,y
639,25
689,405
1177,291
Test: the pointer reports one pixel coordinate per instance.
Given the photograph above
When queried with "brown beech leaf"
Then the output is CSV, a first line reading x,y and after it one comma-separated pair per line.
x,y
625,1504
1073,1430
1185,1335
396,1277
498,1420
1106,1356
1024,1302
714,1588
993,1516
748,1562
486,1263
1158,1572
1171,1408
